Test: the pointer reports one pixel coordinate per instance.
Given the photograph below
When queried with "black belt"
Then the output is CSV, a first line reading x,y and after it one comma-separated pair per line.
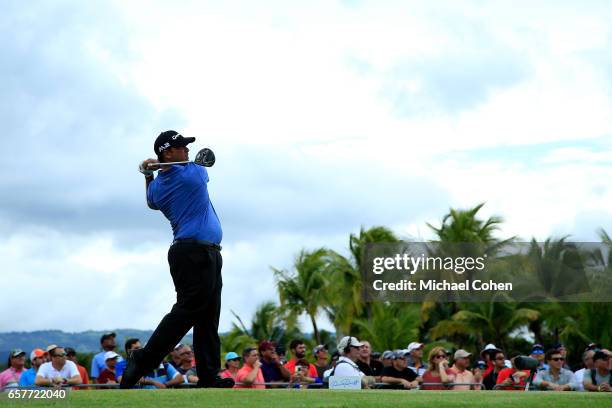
x,y
197,241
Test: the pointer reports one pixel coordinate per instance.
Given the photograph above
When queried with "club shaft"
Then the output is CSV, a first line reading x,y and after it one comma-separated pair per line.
x,y
167,164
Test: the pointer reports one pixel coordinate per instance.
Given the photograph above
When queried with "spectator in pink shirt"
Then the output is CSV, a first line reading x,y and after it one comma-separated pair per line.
x,y
16,366
461,368
438,371
232,365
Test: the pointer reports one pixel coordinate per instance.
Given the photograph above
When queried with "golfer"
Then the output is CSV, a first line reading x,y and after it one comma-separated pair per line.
x,y
180,192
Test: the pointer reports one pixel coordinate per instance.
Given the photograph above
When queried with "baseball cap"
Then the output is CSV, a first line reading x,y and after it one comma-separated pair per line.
x,y
266,345
593,346
461,354
600,355
399,354
70,351
414,346
231,356
319,348
558,346
388,354
109,355
107,336
537,349
17,352
170,138
51,347
489,348
36,353
348,340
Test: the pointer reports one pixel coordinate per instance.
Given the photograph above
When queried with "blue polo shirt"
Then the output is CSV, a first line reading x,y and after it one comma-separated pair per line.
x,y
27,377
181,194
165,372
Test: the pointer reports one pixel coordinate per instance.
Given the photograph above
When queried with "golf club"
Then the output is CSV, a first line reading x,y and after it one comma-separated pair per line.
x,y
205,157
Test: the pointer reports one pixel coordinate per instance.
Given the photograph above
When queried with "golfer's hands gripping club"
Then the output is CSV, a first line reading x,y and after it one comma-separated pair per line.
x,y
148,166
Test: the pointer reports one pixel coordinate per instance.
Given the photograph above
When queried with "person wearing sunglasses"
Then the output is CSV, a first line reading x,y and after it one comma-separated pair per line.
x,y
58,371
438,371
16,367
498,359
182,358
555,377
232,365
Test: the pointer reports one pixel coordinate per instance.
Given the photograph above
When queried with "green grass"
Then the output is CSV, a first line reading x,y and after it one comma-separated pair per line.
x,y
320,398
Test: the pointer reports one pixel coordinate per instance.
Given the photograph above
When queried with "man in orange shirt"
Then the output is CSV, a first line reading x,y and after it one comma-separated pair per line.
x,y
298,358
71,355
250,375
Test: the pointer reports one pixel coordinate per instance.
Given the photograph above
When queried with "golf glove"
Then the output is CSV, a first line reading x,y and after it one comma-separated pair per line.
x,y
145,170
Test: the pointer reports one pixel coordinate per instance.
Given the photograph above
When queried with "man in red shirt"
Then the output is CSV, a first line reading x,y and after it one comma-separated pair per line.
x,y
107,376
488,355
71,355
250,375
512,379
298,358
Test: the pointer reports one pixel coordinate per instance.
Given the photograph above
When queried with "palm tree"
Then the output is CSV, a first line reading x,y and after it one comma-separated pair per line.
x,y
463,226
345,303
580,323
357,243
269,322
459,227
391,325
343,294
302,290
559,267
480,323
236,340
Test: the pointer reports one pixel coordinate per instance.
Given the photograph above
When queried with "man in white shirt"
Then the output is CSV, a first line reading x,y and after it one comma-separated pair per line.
x,y
348,347
587,360
58,371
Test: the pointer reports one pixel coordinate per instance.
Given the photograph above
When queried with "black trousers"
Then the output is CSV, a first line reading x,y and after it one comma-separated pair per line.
x,y
196,273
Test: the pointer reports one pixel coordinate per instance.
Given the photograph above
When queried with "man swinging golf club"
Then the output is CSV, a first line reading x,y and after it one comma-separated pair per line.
x,y
180,192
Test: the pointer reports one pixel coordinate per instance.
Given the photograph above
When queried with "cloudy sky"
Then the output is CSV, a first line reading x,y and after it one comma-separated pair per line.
x,y
324,116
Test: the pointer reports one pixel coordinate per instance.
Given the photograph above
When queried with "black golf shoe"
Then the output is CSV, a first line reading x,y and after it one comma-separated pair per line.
x,y
132,372
218,382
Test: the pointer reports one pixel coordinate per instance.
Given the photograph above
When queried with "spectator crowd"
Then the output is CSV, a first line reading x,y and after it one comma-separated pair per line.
x,y
264,366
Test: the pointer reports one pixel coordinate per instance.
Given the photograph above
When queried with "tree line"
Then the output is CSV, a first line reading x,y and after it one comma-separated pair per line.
x,y
323,282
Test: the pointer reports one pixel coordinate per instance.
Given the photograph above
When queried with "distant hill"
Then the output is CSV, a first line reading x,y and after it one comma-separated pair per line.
x,y
82,342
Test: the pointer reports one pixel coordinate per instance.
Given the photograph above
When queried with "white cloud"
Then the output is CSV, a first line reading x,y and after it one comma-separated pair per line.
x,y
324,117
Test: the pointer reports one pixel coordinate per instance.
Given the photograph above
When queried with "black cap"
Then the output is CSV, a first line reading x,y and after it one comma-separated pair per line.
x,y
557,346
107,336
170,138
70,351
600,355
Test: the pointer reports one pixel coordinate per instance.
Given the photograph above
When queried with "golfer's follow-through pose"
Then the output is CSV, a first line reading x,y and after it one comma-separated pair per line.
x,y
181,193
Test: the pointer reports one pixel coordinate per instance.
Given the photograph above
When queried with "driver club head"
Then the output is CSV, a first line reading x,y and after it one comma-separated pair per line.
x,y
205,157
